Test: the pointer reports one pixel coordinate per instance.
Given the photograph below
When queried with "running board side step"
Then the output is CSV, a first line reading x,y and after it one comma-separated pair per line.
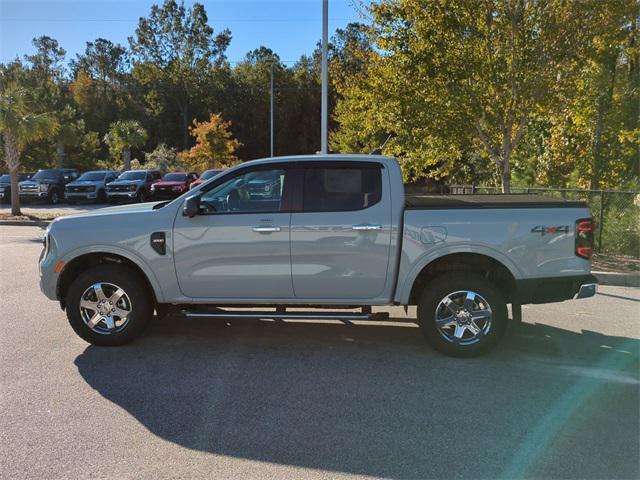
x,y
284,315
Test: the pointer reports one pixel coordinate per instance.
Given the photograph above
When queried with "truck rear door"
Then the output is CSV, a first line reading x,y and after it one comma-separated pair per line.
x,y
341,238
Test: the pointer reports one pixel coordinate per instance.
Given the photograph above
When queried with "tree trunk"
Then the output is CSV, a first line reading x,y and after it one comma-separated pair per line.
x,y
60,153
126,157
506,175
12,157
602,107
185,126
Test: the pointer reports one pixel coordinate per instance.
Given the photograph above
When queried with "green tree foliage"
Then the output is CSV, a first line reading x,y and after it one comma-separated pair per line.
x,y
487,91
452,79
123,136
163,158
20,126
172,51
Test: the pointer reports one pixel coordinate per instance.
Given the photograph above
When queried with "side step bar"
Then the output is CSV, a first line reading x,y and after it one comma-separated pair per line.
x,y
284,315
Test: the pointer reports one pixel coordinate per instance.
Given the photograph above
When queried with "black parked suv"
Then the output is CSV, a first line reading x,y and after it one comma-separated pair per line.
x,y
132,185
5,185
47,185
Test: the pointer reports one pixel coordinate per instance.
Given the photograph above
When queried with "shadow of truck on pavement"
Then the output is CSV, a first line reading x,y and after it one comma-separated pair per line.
x,y
375,400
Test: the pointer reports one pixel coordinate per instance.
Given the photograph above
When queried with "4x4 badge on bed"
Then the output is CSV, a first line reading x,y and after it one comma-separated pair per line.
x,y
544,230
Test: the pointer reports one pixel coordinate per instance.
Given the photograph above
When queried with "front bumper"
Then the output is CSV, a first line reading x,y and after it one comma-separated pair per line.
x,y
555,289
34,194
165,195
80,195
122,194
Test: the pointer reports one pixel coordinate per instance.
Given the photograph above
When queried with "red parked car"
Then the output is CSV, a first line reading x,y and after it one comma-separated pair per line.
x,y
172,185
207,174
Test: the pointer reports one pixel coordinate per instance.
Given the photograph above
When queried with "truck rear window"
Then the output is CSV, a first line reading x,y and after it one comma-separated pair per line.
x,y
334,189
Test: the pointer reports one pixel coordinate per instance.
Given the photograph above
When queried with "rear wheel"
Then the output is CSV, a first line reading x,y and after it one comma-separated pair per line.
x,y
109,305
462,314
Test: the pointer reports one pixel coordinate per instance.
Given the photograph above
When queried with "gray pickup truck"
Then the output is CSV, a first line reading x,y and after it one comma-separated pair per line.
x,y
334,237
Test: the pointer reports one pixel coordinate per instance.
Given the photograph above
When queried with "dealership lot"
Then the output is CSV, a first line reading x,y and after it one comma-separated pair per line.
x,y
266,399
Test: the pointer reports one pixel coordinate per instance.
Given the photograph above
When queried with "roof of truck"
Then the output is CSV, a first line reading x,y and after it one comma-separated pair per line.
x,y
323,156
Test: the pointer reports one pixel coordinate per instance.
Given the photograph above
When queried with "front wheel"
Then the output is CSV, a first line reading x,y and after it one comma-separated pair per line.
x,y
54,197
140,196
462,314
109,305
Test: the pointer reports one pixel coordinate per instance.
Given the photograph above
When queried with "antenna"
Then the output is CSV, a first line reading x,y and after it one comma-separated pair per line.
x,y
378,151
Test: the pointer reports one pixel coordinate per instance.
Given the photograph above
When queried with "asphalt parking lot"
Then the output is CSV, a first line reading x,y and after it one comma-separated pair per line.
x,y
243,399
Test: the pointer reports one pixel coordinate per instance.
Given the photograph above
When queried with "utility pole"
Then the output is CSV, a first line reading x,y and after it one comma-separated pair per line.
x,y
271,109
325,79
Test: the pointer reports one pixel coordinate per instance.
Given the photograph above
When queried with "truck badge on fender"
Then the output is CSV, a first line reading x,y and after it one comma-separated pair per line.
x,y
544,230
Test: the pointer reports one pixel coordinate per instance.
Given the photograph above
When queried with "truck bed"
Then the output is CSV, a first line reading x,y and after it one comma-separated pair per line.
x,y
514,200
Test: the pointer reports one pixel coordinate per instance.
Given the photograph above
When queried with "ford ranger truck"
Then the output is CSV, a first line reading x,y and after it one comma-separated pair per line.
x,y
337,234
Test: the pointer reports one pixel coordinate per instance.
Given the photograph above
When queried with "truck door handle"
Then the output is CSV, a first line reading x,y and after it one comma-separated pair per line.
x,y
366,227
266,229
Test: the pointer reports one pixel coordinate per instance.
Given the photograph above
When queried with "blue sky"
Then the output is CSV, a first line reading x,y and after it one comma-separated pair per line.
x,y
290,27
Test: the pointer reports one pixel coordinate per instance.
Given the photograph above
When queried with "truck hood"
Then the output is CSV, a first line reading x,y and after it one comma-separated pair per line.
x,y
44,181
84,183
125,182
117,210
167,183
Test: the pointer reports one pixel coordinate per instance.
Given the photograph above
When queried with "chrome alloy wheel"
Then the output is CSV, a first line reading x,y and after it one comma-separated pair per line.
x,y
105,308
463,317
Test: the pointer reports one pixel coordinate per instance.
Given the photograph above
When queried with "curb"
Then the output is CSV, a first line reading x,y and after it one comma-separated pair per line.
x,y
618,279
25,223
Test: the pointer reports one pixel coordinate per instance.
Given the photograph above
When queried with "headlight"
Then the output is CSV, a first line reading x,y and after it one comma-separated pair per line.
x,y
133,188
44,187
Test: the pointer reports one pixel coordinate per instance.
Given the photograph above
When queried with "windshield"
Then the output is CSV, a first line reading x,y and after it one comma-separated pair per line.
x,y
5,178
46,175
133,176
175,177
92,177
209,174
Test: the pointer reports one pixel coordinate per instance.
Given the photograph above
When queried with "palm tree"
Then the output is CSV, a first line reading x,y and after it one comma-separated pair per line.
x,y
19,126
124,135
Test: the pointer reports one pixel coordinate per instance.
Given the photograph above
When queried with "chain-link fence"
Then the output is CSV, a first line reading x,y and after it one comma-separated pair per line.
x,y
616,213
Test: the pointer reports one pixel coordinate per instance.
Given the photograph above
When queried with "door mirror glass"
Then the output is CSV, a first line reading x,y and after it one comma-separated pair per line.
x,y
191,206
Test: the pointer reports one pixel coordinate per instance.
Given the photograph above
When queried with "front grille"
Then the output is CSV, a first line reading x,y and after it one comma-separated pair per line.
x,y
119,188
29,188
79,189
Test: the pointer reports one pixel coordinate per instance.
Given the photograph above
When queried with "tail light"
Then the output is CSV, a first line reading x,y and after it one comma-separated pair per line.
x,y
584,237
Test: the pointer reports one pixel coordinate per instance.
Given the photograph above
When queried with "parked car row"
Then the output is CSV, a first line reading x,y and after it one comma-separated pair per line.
x,y
57,184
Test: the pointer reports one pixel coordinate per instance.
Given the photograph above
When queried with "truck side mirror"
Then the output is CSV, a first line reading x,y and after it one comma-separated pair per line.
x,y
191,206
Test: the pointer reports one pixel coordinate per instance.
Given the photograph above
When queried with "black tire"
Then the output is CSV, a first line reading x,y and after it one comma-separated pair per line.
x,y
141,308
140,196
54,197
101,197
71,202
470,345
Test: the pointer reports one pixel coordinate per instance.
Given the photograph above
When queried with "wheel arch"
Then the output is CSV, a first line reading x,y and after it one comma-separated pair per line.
x,y
82,261
486,265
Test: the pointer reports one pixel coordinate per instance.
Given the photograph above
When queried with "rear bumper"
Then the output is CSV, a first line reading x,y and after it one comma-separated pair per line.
x,y
555,289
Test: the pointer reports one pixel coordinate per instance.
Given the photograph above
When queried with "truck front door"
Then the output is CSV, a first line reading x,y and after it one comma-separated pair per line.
x,y
238,245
